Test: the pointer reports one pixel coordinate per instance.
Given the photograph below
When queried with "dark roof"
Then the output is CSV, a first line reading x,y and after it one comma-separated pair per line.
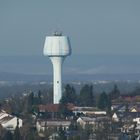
x,y
6,119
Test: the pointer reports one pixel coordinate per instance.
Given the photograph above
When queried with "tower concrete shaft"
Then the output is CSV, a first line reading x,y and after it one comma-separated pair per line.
x,y
57,78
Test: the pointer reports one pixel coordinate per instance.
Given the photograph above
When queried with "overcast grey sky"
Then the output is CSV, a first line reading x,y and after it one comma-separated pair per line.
x,y
94,26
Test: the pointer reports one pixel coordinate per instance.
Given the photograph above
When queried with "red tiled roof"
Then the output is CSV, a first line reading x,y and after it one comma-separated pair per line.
x,y
49,108
53,107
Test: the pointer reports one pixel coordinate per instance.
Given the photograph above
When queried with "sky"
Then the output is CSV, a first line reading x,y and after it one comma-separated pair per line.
x,y
104,34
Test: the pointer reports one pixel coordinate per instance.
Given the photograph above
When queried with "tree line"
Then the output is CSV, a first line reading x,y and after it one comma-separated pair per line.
x,y
87,98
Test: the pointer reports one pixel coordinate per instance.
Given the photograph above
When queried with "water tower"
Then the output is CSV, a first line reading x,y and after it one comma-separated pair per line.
x,y
57,47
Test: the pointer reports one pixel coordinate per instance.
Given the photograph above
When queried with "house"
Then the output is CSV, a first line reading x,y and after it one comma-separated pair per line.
x,y
137,120
41,125
137,129
88,111
115,117
48,108
115,107
128,99
54,136
52,109
133,109
121,109
127,128
85,120
8,121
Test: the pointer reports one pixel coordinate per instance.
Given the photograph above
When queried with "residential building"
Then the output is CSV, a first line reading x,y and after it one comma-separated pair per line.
x,y
85,120
115,117
88,111
8,121
41,125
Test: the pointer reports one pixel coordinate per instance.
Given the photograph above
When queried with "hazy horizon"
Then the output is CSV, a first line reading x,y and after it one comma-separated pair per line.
x,y
104,35
99,64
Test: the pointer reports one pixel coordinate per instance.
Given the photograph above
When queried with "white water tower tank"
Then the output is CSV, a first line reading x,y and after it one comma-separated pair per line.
x,y
57,47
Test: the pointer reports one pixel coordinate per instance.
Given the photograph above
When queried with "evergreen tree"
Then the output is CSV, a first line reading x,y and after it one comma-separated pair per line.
x,y
17,135
37,100
70,94
115,93
104,101
68,97
136,91
39,97
30,102
86,96
31,99
63,109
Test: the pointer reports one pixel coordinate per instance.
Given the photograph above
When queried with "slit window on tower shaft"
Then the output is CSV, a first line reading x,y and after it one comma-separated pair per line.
x,y
57,82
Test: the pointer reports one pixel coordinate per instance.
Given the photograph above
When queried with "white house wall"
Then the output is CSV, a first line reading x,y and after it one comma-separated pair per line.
x,y
13,123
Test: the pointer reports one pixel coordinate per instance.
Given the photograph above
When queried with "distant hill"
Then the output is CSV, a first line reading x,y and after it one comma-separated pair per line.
x,y
108,77
23,77
68,78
